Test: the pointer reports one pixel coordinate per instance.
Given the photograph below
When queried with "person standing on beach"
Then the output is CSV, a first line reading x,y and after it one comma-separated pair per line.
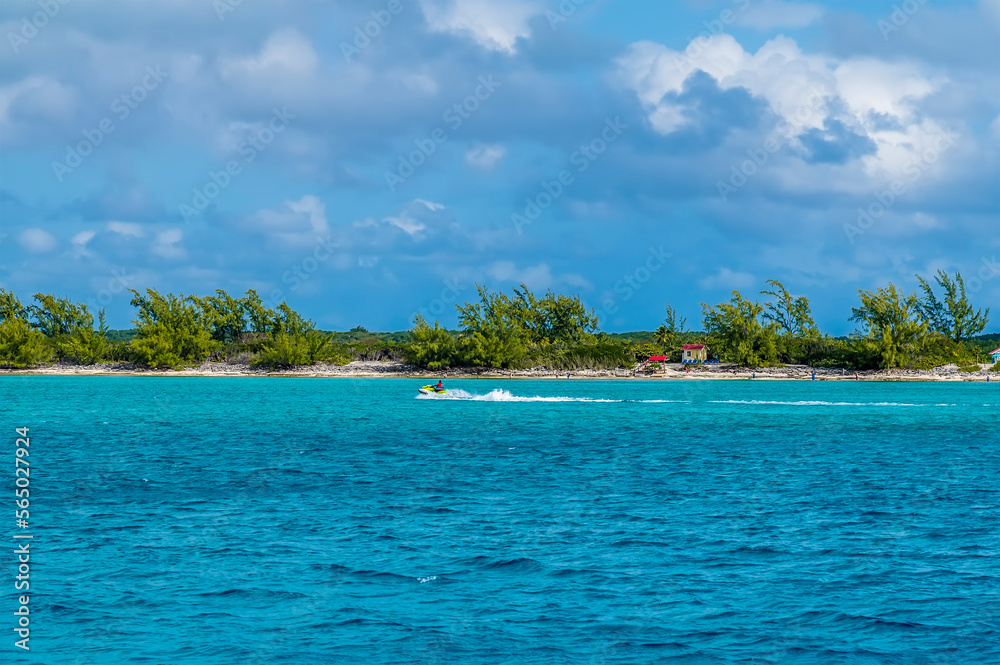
x,y
814,376
856,377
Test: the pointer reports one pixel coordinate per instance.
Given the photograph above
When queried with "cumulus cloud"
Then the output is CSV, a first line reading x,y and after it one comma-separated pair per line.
x,y
407,223
33,98
492,25
430,205
861,109
128,229
314,209
167,244
37,241
417,219
293,223
484,157
285,52
80,241
537,277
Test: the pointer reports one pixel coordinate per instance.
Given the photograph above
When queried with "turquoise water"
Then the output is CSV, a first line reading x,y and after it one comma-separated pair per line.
x,y
271,520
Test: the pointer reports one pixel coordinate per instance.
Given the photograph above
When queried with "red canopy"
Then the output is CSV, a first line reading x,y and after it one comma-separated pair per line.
x,y
657,358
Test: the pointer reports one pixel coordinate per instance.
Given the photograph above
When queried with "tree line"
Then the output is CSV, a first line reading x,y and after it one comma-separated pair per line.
x,y
895,330
170,331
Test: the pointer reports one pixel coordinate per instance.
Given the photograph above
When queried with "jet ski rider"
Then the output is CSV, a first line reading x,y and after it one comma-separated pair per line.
x,y
439,387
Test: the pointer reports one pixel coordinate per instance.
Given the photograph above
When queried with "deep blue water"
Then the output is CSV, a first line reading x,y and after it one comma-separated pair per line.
x,y
273,520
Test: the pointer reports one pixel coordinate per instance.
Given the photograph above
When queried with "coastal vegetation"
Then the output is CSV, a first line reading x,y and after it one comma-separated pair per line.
x,y
507,331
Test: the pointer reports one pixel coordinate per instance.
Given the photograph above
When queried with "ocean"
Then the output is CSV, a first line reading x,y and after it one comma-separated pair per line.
x,y
290,520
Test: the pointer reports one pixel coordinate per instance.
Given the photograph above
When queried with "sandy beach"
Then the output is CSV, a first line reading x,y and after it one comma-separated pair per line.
x,y
720,372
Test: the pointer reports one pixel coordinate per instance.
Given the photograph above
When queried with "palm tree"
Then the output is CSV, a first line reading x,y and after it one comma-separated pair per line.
x,y
664,336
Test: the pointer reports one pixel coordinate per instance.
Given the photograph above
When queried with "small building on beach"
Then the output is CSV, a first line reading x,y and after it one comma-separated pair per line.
x,y
995,354
694,353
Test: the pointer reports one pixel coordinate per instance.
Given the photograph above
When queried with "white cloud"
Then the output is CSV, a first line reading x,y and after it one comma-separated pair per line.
x,y
769,14
788,80
407,223
296,223
873,98
166,244
493,25
725,278
287,56
36,97
430,205
484,156
37,241
314,208
129,229
538,277
414,218
83,237
80,241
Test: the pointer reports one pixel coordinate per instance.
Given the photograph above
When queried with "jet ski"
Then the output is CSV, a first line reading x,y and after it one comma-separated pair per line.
x,y
431,390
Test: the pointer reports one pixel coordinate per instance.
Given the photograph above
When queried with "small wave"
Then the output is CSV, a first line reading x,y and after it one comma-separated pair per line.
x,y
816,403
517,565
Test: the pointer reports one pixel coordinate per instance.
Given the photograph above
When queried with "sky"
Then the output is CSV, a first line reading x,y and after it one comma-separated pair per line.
x,y
367,161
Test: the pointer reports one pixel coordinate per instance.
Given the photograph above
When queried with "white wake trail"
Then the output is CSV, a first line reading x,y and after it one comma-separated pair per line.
x,y
501,395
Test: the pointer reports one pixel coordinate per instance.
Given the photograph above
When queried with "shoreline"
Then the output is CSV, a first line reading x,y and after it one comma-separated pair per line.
x,y
391,369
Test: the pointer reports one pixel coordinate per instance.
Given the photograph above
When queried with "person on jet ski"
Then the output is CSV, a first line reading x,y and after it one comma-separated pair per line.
x,y
439,387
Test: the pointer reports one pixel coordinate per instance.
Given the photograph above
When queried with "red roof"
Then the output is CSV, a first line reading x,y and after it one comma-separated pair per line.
x,y
657,358
994,351
688,347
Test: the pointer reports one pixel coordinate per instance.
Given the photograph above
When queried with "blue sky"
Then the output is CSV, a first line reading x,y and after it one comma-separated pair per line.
x,y
633,153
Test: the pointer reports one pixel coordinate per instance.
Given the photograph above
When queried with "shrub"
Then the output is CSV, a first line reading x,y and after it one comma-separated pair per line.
x,y
20,345
84,346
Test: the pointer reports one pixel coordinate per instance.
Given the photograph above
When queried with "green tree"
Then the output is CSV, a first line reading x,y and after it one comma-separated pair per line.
x,y
281,350
20,344
224,316
10,306
254,313
495,331
670,328
555,318
170,330
737,333
58,316
664,336
433,348
85,345
287,350
287,321
954,317
793,317
891,325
